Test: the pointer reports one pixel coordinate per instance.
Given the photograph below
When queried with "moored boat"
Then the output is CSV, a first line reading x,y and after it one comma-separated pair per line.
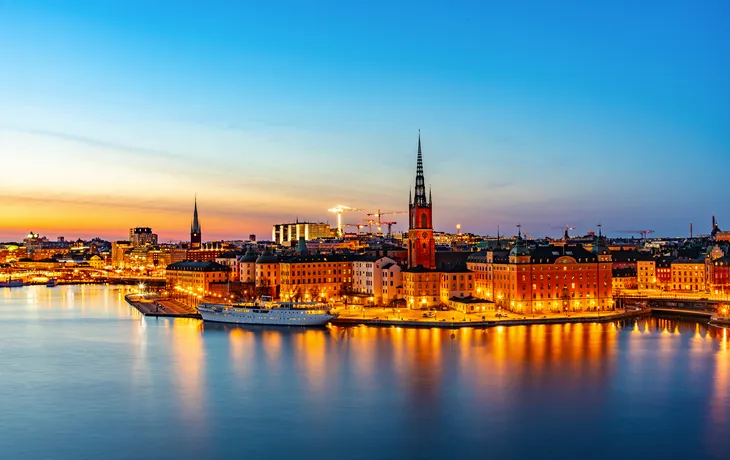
x,y
266,312
11,283
52,282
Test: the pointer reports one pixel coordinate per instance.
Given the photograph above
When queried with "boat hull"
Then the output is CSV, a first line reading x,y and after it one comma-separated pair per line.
x,y
267,319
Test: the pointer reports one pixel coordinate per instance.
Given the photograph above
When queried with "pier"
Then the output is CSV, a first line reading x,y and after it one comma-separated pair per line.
x,y
150,305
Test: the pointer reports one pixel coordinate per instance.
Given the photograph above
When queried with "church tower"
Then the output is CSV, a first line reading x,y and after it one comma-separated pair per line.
x,y
421,245
195,234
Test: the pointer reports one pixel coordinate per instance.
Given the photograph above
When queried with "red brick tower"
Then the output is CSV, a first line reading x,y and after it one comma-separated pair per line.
x,y
421,245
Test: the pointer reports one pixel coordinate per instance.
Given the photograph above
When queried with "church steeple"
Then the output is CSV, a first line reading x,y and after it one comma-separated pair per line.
x,y
195,232
420,195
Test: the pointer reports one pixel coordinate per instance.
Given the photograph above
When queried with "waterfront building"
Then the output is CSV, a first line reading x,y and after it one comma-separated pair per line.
x,y
472,305
286,233
376,277
196,236
247,267
421,244
456,283
268,278
531,280
646,276
688,275
316,277
421,280
195,277
664,272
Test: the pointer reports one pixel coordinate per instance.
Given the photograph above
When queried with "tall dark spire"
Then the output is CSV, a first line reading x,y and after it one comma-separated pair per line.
x,y
195,228
420,196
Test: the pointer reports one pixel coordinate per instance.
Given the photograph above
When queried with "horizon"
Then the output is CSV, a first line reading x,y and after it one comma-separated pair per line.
x,y
528,114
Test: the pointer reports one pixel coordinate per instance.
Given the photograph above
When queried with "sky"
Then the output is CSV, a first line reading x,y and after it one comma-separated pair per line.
x,y
116,114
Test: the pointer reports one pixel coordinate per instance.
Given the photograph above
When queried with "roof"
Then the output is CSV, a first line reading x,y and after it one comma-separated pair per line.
x,y
550,254
191,265
319,258
623,272
469,300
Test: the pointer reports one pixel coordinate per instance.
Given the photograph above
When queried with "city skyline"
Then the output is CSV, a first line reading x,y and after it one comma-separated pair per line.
x,y
107,122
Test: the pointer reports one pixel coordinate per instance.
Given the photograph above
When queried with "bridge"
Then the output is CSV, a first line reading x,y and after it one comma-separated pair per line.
x,y
694,303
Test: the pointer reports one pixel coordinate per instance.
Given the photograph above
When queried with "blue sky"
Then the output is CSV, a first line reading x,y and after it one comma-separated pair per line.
x,y
114,114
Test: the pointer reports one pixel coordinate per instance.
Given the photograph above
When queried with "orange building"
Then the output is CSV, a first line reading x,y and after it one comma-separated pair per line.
x,y
544,278
316,277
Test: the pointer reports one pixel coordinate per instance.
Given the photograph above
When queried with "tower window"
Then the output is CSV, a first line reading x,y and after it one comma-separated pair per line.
x,y
424,221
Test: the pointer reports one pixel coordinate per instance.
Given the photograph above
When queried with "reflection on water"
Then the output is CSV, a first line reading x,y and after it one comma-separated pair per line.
x,y
76,357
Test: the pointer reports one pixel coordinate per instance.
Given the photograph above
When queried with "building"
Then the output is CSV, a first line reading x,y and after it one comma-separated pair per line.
x,y
376,277
544,278
421,243
285,233
267,275
142,236
316,277
646,276
624,278
688,275
196,236
456,283
119,249
195,278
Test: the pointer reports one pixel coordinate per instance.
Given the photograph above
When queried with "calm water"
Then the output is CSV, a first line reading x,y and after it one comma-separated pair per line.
x,y
83,375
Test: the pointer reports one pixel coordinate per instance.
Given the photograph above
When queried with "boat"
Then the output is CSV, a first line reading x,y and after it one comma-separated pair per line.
x,y
11,283
267,312
52,282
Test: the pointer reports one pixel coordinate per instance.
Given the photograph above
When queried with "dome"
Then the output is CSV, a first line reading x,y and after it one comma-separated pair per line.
x,y
600,250
519,250
267,258
250,256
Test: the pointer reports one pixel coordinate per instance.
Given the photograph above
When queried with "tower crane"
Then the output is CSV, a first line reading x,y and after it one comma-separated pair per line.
x,y
378,215
369,223
359,226
566,227
390,224
339,209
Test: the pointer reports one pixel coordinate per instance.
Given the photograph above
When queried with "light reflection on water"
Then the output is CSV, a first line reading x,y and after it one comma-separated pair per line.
x,y
93,378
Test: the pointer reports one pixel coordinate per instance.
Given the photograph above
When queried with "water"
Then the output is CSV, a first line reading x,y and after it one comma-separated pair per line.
x,y
83,375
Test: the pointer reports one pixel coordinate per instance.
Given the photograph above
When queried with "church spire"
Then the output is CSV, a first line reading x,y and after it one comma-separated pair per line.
x,y
420,196
196,224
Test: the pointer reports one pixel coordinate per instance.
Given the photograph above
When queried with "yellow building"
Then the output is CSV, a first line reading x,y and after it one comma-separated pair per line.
x,y
316,277
456,283
646,274
267,275
421,287
195,278
688,276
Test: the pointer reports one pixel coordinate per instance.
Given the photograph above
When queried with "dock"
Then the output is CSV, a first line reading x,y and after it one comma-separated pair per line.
x,y
445,324
161,308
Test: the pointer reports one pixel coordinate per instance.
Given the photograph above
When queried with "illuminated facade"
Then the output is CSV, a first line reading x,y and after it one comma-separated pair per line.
x,y
545,278
421,281
315,277
142,236
688,275
195,277
378,277
646,277
421,244
285,233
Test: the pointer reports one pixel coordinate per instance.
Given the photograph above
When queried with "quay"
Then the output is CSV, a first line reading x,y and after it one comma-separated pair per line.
x,y
163,308
348,320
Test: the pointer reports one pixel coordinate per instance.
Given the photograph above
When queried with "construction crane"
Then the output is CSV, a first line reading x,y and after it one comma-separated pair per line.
x,y
339,209
359,226
566,228
643,233
378,215
390,227
369,223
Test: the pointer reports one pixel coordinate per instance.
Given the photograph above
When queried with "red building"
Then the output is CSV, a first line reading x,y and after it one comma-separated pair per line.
x,y
421,244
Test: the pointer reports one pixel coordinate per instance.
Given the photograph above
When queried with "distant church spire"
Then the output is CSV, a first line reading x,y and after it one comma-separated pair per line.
x,y
195,228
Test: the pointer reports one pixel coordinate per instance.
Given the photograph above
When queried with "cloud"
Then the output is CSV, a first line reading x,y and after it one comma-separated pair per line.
x,y
140,151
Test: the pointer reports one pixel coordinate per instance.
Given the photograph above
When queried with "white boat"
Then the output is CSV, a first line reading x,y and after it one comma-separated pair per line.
x,y
266,312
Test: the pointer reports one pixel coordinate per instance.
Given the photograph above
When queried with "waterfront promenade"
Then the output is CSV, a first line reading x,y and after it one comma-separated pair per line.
x,y
385,317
